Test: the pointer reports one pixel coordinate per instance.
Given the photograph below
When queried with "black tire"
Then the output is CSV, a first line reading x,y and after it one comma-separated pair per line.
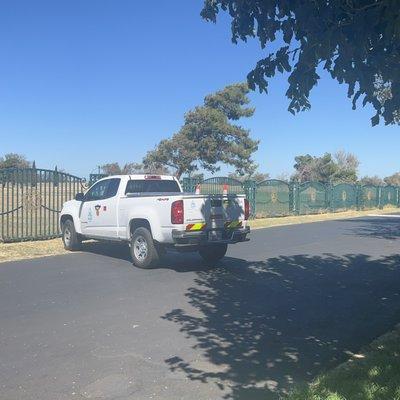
x,y
143,250
72,240
213,253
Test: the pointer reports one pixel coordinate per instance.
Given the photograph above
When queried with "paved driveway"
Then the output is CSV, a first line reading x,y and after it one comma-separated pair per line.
x,y
293,302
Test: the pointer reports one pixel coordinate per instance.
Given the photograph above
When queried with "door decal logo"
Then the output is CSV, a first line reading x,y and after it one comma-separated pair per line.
x,y
90,216
97,208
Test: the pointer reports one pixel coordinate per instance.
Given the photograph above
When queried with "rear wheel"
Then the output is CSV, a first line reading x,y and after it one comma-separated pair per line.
x,y
213,253
72,240
143,251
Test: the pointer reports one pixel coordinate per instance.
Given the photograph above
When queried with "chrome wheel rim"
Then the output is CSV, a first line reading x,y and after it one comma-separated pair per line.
x,y
140,248
67,236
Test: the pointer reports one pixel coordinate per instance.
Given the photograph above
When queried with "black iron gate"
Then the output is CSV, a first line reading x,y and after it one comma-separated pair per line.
x,y
31,200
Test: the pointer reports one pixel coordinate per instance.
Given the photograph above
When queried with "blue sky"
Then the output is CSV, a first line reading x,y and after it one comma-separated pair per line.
x,y
83,83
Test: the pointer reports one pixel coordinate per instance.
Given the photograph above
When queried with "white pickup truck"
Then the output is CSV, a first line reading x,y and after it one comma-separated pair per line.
x,y
152,214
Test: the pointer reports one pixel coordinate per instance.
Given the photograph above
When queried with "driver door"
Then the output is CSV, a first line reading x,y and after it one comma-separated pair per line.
x,y
99,210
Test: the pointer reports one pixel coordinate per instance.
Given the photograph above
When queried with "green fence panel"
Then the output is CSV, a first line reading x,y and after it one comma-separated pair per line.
x,y
93,178
369,197
31,200
189,184
313,198
389,196
272,198
216,186
343,197
250,188
398,196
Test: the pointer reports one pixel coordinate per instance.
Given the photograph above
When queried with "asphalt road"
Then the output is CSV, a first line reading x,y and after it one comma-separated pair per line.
x,y
291,303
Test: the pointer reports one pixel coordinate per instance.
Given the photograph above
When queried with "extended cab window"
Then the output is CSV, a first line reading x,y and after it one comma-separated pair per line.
x,y
112,187
152,186
103,189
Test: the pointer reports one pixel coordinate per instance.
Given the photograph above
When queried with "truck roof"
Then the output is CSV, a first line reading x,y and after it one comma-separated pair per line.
x,y
141,176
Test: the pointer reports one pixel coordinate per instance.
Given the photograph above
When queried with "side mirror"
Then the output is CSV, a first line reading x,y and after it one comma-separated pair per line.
x,y
79,197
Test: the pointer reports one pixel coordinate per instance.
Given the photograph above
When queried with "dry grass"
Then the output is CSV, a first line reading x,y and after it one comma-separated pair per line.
x,y
24,250
302,219
43,248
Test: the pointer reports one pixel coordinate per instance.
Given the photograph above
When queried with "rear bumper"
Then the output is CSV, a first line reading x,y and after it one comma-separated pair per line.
x,y
185,238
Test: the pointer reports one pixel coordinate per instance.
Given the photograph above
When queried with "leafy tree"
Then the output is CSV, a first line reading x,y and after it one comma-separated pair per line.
x,y
342,167
356,41
255,176
14,160
347,167
131,168
116,169
393,179
309,168
372,180
209,137
177,153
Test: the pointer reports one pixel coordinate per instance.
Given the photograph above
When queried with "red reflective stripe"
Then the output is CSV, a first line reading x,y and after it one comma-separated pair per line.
x,y
198,226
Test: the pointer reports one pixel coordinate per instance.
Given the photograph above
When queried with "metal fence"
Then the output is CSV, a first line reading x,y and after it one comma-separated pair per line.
x,y
31,200
274,197
93,178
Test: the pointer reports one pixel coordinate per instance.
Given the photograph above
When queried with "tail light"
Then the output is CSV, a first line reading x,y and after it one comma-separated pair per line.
x,y
246,209
177,214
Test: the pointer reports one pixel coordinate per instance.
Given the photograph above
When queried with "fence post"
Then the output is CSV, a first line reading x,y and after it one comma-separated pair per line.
x,y
358,197
55,177
397,196
329,197
250,188
34,175
294,195
379,199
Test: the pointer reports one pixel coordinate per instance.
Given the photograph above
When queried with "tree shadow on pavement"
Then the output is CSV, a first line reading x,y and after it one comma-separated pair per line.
x,y
263,326
381,228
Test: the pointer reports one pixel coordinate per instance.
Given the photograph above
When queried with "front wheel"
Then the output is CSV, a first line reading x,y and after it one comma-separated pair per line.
x,y
72,241
143,251
213,253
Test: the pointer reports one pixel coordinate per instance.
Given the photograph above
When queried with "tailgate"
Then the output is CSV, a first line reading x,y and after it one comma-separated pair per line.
x,y
215,211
